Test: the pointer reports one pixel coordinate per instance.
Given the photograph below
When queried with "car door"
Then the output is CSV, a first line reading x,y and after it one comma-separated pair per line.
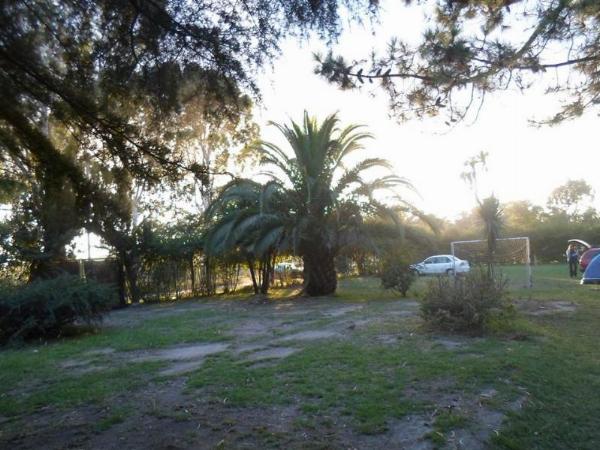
x,y
436,265
429,265
444,264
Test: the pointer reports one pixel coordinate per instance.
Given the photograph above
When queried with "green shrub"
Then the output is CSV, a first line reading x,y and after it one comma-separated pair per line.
x,y
464,304
397,275
44,308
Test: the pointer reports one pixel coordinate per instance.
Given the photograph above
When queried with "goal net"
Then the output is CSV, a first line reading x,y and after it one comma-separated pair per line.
x,y
512,255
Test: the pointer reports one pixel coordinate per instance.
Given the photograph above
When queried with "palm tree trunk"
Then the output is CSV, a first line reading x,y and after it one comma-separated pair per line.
x,y
320,277
265,275
253,275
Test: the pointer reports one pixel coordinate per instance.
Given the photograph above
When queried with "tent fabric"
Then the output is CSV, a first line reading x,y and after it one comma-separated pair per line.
x,y
580,242
592,272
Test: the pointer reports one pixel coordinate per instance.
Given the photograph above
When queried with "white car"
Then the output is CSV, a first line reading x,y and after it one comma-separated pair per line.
x,y
441,264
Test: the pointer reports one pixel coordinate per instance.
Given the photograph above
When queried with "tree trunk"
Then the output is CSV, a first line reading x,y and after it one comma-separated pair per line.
x,y
131,264
192,274
176,278
361,265
320,277
253,275
209,287
266,275
121,281
237,277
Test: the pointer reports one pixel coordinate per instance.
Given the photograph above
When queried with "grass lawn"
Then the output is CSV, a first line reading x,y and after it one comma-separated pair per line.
x,y
357,370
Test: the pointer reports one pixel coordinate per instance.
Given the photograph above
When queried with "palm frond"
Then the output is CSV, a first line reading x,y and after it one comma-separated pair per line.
x,y
387,182
348,142
286,170
352,176
238,190
268,240
267,193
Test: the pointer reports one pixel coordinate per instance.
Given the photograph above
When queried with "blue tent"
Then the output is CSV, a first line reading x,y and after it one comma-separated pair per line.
x,y
592,272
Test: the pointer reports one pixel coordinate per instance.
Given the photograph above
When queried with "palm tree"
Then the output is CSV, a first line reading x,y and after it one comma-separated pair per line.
x,y
312,203
491,214
240,227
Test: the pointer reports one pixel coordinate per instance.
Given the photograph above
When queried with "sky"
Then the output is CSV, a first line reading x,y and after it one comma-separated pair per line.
x,y
525,162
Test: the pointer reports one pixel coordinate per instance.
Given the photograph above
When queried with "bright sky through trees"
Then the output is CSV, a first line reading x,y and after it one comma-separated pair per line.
x,y
525,162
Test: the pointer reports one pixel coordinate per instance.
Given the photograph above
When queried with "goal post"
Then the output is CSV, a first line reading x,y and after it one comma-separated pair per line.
x,y
512,251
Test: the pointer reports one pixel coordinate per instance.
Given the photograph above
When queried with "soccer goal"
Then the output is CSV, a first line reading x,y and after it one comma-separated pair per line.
x,y
512,255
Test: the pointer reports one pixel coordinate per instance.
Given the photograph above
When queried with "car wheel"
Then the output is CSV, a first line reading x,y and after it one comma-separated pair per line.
x,y
450,272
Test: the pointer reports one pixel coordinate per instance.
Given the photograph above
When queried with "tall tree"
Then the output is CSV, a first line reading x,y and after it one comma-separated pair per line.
x,y
522,215
214,135
46,215
313,203
491,216
488,210
570,197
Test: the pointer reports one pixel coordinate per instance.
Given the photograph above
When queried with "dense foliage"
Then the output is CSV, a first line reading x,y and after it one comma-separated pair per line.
x,y
103,99
464,304
43,308
397,275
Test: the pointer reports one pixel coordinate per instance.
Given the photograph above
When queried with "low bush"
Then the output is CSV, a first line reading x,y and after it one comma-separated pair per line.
x,y
397,275
465,304
43,308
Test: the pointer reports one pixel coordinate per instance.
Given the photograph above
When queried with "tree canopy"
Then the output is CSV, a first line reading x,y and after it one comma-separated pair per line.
x,y
471,48
101,97
111,71
570,197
